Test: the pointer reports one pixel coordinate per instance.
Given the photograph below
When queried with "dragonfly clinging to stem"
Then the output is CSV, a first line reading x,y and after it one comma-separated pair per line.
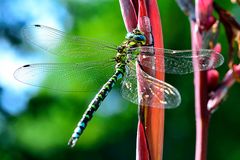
x,y
113,63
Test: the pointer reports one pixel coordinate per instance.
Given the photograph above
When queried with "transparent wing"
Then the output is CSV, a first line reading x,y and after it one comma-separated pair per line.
x,y
59,43
155,93
66,76
129,88
178,62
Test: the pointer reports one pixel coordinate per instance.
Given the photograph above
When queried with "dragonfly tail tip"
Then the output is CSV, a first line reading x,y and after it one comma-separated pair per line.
x,y
72,142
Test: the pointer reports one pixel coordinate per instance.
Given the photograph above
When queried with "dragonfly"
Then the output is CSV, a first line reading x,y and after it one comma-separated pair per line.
x,y
113,63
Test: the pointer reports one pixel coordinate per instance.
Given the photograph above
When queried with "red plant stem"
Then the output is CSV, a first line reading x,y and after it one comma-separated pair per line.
x,y
155,122
151,120
129,14
203,11
143,150
201,97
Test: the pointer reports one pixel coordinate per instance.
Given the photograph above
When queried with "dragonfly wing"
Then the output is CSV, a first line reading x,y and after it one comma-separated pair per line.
x,y
129,88
155,93
59,43
179,62
66,76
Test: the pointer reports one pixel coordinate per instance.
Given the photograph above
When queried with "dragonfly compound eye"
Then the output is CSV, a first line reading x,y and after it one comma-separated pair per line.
x,y
140,39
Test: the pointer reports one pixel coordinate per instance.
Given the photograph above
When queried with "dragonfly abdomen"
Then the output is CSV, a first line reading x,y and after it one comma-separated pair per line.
x,y
94,105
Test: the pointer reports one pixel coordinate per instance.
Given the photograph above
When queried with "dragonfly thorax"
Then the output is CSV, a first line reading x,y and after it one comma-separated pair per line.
x,y
132,39
121,57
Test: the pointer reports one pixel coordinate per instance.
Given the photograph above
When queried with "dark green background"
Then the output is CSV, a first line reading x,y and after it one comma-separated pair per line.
x,y
43,129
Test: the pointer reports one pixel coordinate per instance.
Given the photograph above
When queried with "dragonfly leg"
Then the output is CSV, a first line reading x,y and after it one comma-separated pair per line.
x,y
93,106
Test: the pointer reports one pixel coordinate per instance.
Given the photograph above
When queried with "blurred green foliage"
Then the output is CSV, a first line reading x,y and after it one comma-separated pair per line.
x,y
42,131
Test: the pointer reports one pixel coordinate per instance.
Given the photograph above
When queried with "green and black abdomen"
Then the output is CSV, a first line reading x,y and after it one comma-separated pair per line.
x,y
95,103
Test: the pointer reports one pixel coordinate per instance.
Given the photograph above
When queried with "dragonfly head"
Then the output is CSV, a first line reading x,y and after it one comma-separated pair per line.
x,y
136,38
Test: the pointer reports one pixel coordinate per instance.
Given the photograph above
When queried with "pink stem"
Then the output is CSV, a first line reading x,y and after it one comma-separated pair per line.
x,y
203,13
129,14
201,98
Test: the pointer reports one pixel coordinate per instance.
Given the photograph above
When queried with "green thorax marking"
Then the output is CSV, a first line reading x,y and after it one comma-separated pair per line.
x,y
132,39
